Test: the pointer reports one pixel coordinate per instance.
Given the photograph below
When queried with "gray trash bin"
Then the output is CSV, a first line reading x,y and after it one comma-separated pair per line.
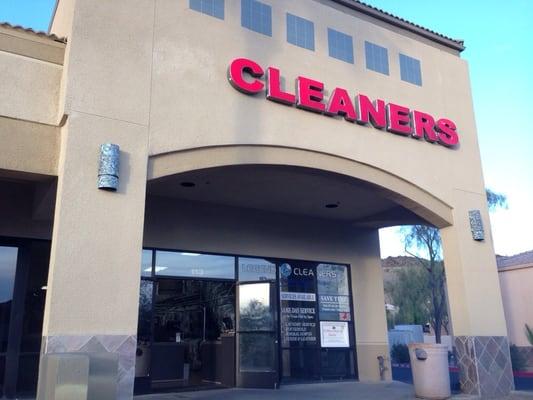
x,y
429,365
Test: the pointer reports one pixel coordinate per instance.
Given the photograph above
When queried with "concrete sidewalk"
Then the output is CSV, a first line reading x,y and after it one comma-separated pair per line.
x,y
314,391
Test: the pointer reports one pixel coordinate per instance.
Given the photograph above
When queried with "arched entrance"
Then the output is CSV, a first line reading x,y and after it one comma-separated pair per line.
x,y
308,222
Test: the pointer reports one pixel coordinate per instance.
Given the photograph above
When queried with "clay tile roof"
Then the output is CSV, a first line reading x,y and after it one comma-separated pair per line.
x,y
378,13
33,32
518,259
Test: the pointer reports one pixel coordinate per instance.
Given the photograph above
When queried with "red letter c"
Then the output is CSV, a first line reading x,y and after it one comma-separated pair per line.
x,y
235,75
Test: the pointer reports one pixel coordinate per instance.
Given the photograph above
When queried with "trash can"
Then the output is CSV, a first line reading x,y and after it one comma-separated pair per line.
x,y
431,375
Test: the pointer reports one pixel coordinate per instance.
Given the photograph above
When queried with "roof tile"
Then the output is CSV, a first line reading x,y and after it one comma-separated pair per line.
x,y
29,30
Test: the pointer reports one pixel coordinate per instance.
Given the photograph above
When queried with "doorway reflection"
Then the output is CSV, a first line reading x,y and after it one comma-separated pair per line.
x,y
193,333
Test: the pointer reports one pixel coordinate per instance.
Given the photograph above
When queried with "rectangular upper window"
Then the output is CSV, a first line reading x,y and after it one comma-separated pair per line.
x,y
377,58
300,32
410,70
195,265
256,16
214,8
340,45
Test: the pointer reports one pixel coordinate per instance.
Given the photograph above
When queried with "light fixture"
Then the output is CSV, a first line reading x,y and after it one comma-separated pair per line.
x,y
108,168
332,205
188,184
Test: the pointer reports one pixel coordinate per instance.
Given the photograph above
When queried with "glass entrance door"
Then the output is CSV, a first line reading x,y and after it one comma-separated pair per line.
x,y
193,342
257,336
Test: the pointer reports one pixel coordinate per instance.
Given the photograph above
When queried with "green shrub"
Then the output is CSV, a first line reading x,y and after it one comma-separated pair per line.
x,y
399,353
518,359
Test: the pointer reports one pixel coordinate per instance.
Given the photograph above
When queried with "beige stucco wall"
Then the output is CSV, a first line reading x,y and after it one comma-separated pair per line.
x,y
29,147
30,74
191,95
97,235
28,44
62,18
517,293
30,88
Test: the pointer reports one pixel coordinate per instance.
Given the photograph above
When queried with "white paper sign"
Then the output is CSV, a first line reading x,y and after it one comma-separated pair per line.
x,y
334,334
295,296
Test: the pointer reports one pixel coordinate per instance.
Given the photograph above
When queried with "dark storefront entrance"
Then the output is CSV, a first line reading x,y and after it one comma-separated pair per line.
x,y
209,320
23,277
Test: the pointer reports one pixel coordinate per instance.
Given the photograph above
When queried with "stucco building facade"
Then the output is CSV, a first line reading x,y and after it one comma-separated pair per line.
x,y
515,272
262,145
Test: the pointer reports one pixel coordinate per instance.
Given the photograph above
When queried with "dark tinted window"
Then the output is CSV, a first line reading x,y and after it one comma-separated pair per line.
x,y
410,70
300,32
340,45
256,269
184,264
256,16
214,8
377,58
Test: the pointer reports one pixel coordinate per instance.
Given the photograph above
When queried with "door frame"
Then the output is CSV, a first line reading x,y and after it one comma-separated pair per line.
x,y
18,311
259,379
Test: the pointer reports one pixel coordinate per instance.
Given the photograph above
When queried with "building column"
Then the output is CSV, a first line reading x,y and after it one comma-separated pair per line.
x,y
476,310
93,285
369,307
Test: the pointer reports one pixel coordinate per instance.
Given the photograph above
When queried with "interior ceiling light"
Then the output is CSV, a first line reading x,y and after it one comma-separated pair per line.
x,y
332,205
188,184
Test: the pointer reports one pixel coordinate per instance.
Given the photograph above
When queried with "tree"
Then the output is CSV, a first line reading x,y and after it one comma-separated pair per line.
x,y
496,200
410,295
426,239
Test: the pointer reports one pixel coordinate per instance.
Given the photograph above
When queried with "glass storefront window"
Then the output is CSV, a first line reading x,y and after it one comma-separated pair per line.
x,y
300,364
255,310
298,313
333,292
256,269
332,279
337,364
8,269
257,352
145,311
146,263
194,265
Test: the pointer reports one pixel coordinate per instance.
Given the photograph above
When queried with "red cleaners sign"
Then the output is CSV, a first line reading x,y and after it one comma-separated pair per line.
x,y
246,76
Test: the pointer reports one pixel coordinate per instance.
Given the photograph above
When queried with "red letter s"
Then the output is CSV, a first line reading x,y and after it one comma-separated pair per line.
x,y
447,132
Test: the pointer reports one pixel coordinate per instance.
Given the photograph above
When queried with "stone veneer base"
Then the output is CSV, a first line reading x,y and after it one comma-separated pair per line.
x,y
123,345
484,365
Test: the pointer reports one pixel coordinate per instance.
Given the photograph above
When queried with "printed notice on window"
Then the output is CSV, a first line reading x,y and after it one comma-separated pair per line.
x,y
334,334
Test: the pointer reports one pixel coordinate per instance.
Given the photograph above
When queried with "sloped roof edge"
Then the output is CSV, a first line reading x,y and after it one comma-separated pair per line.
x,y
382,15
33,32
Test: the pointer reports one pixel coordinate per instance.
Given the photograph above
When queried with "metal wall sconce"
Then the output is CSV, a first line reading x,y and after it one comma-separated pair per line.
x,y
476,225
108,170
